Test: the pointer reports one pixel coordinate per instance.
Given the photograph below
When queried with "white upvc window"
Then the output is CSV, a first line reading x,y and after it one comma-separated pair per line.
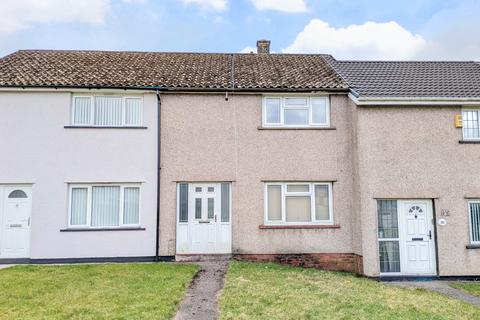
x,y
474,217
471,124
298,203
296,111
104,205
107,111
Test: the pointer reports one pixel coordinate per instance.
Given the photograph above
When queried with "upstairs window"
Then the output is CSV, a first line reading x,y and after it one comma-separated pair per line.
x,y
296,111
107,111
471,128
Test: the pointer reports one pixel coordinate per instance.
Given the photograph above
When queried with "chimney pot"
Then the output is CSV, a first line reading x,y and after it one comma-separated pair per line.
x,y
263,46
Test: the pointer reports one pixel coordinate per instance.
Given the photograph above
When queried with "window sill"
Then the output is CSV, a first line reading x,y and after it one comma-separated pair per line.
x,y
104,127
304,226
469,141
473,246
102,229
296,128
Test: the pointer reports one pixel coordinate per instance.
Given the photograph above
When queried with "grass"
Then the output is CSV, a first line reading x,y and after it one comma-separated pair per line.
x,y
471,287
270,291
100,291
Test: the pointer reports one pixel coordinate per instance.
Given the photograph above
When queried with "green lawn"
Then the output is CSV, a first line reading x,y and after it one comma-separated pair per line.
x,y
270,291
470,287
96,291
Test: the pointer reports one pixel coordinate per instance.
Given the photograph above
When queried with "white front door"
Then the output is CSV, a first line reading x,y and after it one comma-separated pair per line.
x,y
417,237
208,228
15,221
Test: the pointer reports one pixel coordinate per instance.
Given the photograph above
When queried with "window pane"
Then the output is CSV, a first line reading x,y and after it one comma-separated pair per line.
x,y
133,111
272,109
298,188
298,209
108,111
296,101
389,256
198,189
81,110
274,203
296,116
470,125
475,221
15,194
319,110
131,205
321,203
211,208
211,189
78,207
105,206
198,208
387,219
183,214
225,206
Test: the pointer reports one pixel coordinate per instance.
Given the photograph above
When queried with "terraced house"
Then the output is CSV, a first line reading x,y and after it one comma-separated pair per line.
x,y
369,167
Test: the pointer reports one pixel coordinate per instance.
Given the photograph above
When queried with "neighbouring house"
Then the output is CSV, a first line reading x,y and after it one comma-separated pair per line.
x,y
368,167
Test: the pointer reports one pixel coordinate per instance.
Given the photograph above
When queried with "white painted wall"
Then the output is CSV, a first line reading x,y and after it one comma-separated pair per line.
x,y
36,148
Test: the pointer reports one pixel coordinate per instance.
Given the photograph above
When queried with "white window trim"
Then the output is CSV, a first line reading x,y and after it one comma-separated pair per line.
x,y
470,222
92,110
89,205
477,110
311,193
284,107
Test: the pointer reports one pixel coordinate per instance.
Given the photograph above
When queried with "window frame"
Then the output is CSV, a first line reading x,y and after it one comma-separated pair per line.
x,y
477,110
284,194
470,222
284,106
92,110
89,187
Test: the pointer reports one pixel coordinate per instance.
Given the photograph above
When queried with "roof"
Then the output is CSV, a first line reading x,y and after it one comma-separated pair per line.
x,y
412,79
182,71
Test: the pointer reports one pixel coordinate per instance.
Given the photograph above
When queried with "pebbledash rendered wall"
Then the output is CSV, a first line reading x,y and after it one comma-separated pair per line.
x,y
414,152
37,149
206,138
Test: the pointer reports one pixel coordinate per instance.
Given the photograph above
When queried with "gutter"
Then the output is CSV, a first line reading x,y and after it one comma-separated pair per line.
x,y
414,101
177,89
159,145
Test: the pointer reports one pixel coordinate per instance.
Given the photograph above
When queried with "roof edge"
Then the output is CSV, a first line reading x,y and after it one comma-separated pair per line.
x,y
417,101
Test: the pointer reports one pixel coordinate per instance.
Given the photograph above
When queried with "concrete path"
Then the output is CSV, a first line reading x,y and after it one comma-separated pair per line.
x,y
5,266
200,302
441,287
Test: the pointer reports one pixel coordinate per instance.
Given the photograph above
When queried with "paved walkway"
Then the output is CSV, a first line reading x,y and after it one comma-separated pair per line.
x,y
441,287
200,301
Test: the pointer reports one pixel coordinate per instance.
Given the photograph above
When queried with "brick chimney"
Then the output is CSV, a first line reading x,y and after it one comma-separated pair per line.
x,y
263,46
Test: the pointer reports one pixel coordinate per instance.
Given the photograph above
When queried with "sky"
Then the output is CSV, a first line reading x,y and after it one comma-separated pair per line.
x,y
347,29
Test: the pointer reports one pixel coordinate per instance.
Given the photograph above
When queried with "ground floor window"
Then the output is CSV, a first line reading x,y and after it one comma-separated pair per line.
x,y
298,203
104,205
474,212
388,236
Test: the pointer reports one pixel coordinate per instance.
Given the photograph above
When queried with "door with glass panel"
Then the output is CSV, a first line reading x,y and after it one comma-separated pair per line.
x,y
406,237
16,207
203,218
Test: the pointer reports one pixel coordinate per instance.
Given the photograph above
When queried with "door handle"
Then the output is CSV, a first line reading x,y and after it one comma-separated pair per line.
x,y
430,234
215,218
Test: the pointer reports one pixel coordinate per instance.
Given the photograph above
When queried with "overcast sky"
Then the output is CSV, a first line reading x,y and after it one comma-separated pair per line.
x,y
347,29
